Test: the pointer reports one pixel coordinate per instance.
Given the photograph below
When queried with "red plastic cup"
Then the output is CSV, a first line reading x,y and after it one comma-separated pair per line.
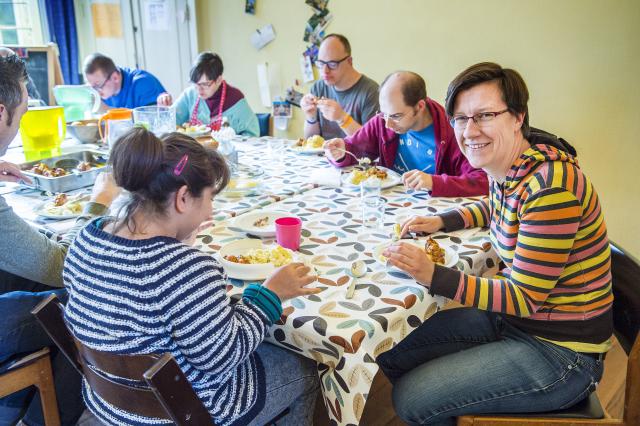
x,y
288,230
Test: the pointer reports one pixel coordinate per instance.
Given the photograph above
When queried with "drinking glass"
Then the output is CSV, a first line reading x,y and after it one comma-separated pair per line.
x,y
373,205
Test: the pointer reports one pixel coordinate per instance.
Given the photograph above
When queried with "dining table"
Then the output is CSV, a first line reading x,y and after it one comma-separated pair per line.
x,y
343,335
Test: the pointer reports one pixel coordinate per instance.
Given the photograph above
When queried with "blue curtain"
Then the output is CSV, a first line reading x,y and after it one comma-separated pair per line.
x,y
61,18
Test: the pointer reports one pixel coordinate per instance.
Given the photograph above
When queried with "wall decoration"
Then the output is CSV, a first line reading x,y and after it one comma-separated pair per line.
x,y
250,7
265,35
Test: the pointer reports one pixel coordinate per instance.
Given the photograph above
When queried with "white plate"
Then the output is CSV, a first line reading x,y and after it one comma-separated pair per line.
x,y
240,187
392,179
48,211
243,271
306,151
199,133
450,256
245,222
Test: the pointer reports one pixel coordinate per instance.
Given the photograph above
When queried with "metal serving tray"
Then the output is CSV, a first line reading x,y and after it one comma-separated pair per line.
x,y
75,179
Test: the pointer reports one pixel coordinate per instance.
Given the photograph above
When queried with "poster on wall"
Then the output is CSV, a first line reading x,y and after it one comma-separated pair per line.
x,y
250,7
156,15
265,35
106,20
318,5
314,29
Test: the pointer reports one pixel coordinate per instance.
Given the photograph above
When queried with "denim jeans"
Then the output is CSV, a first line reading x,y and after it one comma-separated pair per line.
x,y
467,361
21,334
292,381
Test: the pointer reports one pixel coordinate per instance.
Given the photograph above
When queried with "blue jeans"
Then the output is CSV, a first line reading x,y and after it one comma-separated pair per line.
x,y
292,381
21,334
467,361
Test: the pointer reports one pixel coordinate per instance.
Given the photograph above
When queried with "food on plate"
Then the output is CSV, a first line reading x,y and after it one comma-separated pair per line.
x,y
60,199
358,176
64,205
313,142
434,251
397,230
431,248
241,183
278,256
188,128
262,222
44,170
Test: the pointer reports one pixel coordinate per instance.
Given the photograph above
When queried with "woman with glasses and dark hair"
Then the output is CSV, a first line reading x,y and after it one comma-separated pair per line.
x,y
533,337
210,99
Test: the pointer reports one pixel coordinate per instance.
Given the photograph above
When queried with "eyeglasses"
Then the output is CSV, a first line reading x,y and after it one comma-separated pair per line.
x,y
100,86
205,84
396,118
331,64
481,119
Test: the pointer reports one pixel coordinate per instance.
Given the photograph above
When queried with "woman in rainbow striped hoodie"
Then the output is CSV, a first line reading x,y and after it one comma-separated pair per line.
x,y
533,337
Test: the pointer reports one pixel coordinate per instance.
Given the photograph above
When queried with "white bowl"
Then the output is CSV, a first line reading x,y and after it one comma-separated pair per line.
x,y
450,256
243,271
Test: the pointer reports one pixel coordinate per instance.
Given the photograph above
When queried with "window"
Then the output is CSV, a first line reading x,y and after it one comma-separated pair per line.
x,y
20,22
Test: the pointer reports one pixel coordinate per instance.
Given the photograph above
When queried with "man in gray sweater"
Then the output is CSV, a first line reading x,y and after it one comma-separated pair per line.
x,y
31,267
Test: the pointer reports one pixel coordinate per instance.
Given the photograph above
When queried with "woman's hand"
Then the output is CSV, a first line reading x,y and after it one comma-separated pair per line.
x,y
412,260
422,224
9,172
290,280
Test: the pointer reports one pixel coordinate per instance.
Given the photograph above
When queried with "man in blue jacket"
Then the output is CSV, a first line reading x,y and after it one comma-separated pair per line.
x,y
121,87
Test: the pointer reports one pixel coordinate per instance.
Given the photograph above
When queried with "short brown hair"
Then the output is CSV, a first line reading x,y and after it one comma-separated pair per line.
x,y
514,90
98,61
413,88
13,74
342,39
146,165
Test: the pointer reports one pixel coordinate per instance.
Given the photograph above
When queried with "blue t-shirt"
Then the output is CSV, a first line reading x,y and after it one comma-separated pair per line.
x,y
417,150
139,88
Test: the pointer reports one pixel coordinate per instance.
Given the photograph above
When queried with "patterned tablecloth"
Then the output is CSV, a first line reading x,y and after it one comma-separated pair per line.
x,y
345,336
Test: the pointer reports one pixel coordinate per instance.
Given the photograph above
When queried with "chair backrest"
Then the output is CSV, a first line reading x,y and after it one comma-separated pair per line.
x,y
626,320
264,121
154,383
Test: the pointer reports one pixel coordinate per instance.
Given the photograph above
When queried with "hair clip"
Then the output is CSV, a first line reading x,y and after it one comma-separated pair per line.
x,y
180,166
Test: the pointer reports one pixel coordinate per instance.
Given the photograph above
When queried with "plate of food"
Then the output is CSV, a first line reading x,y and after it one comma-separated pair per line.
x,y
193,130
249,259
310,146
260,223
241,187
438,254
63,206
388,177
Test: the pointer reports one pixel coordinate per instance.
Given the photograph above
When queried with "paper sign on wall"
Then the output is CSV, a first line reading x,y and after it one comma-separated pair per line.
x,y
260,38
156,15
268,82
106,20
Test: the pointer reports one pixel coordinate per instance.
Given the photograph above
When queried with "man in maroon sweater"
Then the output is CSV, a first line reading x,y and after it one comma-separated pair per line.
x,y
412,136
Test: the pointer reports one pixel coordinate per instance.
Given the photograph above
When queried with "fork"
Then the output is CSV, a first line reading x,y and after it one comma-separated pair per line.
x,y
363,162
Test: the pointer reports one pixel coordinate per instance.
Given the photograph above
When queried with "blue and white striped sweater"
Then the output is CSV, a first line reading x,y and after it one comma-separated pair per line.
x,y
159,295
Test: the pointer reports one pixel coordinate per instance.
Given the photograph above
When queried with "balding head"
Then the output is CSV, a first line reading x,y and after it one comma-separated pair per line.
x,y
5,51
409,84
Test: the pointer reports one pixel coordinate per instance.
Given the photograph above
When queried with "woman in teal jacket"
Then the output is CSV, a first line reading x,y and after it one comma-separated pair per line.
x,y
211,98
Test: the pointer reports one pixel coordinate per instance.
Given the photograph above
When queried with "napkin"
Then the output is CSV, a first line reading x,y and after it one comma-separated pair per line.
x,y
326,177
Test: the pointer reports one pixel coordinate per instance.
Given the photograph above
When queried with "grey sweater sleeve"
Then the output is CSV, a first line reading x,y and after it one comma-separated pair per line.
x,y
28,253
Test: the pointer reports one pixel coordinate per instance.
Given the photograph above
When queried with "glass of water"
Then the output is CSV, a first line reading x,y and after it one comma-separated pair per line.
x,y
276,149
373,205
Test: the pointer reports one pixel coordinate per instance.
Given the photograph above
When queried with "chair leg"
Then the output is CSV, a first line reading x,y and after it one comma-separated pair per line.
x,y
47,393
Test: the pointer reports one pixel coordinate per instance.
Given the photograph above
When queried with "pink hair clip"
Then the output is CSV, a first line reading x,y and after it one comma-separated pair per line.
x,y
180,166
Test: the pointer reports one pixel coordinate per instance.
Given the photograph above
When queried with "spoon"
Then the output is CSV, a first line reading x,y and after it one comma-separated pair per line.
x,y
358,269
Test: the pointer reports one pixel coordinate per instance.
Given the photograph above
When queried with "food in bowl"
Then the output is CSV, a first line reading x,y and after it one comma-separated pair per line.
x,y
190,129
358,176
278,256
313,142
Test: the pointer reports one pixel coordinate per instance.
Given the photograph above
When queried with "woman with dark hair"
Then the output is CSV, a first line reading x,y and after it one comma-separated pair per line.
x,y
533,337
211,98
136,286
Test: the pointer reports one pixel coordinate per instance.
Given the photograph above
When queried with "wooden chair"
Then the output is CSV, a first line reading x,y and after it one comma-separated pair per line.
x,y
158,389
33,370
626,319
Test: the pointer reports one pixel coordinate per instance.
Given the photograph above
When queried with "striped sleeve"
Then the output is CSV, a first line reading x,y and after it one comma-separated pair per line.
x,y
471,216
214,335
549,221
